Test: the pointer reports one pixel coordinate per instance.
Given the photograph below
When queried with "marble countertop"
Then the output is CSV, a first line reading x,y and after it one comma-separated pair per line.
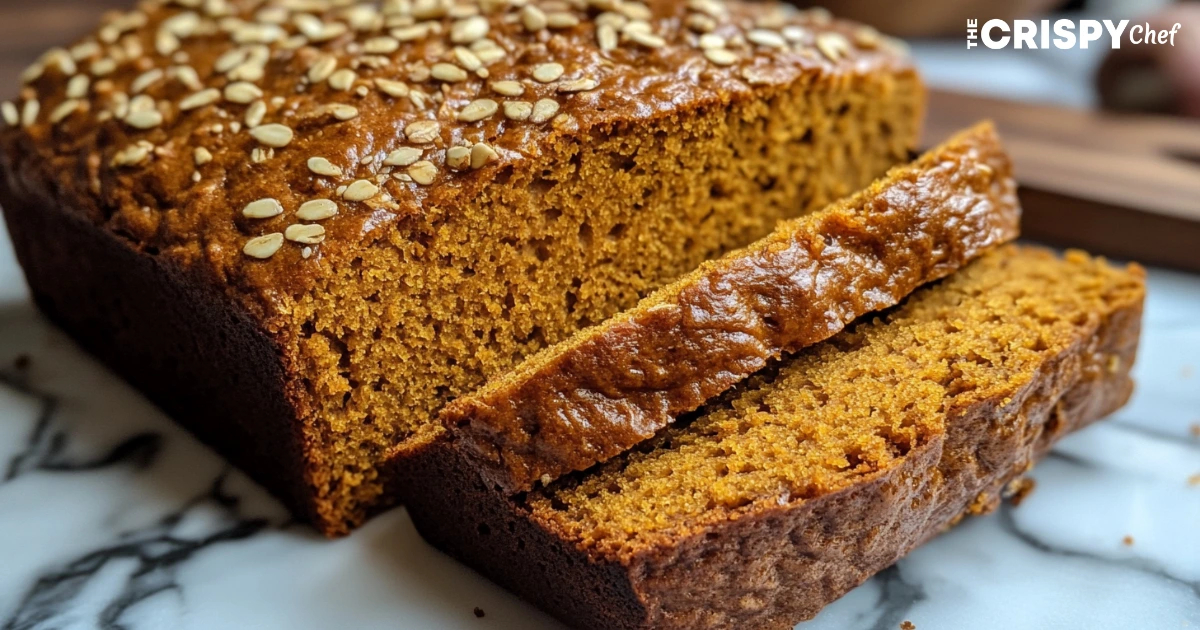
x,y
113,517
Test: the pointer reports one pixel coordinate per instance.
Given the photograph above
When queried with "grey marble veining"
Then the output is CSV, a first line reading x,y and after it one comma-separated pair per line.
x,y
113,517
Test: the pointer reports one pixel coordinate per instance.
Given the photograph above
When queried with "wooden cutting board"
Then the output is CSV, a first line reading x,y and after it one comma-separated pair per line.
x,y
1119,185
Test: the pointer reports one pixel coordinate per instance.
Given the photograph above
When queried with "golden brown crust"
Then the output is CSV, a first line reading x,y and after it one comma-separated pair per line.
x,y
616,384
771,565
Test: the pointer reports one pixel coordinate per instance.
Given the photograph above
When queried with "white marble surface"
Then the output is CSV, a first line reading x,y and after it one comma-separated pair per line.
x,y
112,517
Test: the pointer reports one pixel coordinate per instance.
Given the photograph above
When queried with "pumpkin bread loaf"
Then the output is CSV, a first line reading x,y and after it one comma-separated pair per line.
x,y
822,469
611,386
302,227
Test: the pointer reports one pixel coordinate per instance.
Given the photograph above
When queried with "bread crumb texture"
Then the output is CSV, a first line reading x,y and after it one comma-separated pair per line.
x,y
845,411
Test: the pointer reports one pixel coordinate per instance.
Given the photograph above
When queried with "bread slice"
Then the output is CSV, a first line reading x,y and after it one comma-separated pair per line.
x,y
820,470
303,228
613,385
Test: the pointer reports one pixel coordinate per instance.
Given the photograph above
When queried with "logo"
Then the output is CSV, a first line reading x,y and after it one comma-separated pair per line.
x,y
1063,34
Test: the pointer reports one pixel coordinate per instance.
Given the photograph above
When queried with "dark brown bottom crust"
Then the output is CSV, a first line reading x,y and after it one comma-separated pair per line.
x,y
200,359
775,569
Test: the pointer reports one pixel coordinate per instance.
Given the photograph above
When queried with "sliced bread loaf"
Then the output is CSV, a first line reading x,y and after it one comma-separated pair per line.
x,y
615,384
820,470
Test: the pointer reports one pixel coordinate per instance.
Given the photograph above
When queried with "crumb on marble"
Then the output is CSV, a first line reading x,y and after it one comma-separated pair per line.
x,y
1196,430
22,362
1128,540
479,612
1194,480
907,625
1187,371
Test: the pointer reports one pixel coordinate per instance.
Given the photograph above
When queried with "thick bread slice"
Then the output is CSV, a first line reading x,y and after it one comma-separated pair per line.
x,y
615,384
819,471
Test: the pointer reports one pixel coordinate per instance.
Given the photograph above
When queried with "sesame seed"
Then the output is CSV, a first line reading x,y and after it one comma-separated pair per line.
x,y
410,33
342,111
144,119
548,72
11,116
561,19
764,37
606,36
532,18
469,30
578,85
488,56
230,60
343,79
458,157
273,135
403,156
202,156
544,110
448,72
263,209
711,40
395,89
508,88
322,69
317,210
263,247
103,67
720,56
132,155
306,253
255,114
322,166
64,110
866,37
467,59
795,34
200,99
381,45
649,40
833,45
517,110
242,93
478,110
701,23
78,86
145,80
360,190
481,154
423,172
423,131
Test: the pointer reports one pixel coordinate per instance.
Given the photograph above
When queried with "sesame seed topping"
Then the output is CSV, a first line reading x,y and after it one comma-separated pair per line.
x,y
764,37
273,135
648,40
78,86
200,99
578,85
12,117
478,110
202,156
322,69
317,210
448,72
481,154
423,172
255,114
65,110
606,37
342,112
343,79
395,89
721,56
508,88
561,19
544,110
866,37
263,247
29,113
532,18
548,72
403,156
381,45
322,166
467,59
517,110
145,80
469,30
263,209
242,93
144,119
833,45
423,131
458,157
360,190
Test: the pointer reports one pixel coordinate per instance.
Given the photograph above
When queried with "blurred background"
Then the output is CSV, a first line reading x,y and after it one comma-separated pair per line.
x,y
1106,143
